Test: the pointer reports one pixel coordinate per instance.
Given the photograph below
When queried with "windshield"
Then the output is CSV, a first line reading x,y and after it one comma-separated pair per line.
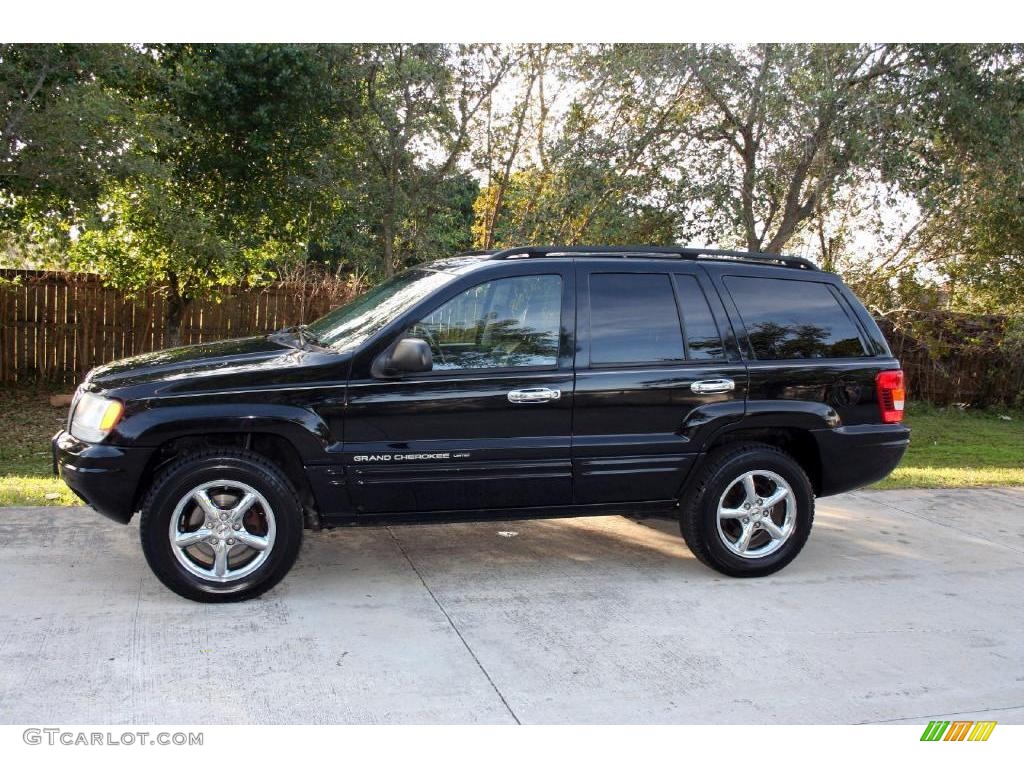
x,y
351,324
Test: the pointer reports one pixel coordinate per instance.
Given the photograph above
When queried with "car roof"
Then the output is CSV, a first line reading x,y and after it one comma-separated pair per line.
x,y
470,259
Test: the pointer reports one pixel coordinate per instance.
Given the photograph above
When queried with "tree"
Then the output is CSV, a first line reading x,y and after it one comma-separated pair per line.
x,y
731,145
968,173
195,166
601,164
417,104
147,234
65,126
795,122
503,134
236,139
568,207
936,221
248,129
760,137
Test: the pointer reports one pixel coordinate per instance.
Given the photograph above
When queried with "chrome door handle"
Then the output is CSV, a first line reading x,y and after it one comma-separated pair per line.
x,y
711,386
534,395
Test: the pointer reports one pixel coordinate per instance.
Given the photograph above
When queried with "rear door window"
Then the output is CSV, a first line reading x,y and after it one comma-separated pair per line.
x,y
633,320
794,319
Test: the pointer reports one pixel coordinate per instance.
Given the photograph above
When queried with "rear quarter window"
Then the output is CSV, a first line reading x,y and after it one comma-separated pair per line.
x,y
794,319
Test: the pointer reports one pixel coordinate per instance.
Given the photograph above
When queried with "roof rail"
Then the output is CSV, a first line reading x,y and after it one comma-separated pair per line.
x,y
488,252
646,251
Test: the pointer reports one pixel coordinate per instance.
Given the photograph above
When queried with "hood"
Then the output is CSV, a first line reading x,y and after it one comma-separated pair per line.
x,y
190,368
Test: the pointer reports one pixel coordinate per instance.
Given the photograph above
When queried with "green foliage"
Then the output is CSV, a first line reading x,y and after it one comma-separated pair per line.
x,y
66,126
245,159
146,233
446,227
247,129
570,206
201,165
967,170
412,122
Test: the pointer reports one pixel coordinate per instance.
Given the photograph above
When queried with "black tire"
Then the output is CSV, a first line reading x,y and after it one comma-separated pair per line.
x,y
185,474
699,509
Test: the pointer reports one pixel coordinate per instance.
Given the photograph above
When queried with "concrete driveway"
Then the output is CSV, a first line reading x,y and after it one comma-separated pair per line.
x,y
902,607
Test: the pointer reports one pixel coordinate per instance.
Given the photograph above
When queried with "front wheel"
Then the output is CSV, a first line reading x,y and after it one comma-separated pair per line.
x,y
751,510
221,526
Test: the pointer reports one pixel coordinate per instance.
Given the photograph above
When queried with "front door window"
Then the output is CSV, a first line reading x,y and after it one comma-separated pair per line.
x,y
512,322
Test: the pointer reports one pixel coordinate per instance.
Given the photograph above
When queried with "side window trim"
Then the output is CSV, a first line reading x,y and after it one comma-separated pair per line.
x,y
581,352
673,281
723,310
715,319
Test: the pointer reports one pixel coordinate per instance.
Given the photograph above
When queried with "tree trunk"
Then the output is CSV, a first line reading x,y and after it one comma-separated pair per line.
x,y
175,309
388,226
491,219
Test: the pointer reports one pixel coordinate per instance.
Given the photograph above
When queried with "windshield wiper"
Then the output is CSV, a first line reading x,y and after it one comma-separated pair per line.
x,y
305,336
304,331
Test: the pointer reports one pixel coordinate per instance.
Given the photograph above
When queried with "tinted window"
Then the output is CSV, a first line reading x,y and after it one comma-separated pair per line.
x,y
793,319
633,319
504,323
703,341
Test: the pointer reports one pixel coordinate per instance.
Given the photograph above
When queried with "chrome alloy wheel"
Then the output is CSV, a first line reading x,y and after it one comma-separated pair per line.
x,y
222,530
756,514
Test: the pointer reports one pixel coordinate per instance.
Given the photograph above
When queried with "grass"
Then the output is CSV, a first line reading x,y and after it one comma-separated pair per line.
x,y
949,448
954,448
27,422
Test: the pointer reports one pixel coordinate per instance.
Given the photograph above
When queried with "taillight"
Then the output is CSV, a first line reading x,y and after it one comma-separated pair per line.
x,y
891,395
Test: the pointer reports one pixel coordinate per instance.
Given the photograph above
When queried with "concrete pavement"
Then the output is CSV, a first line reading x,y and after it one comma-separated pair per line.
x,y
904,606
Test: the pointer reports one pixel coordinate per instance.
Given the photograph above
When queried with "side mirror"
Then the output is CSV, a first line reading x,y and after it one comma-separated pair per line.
x,y
407,356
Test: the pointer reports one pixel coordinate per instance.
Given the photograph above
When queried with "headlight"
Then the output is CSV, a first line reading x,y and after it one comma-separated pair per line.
x,y
94,417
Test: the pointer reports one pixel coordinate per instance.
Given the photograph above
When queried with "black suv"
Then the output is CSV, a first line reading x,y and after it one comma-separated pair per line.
x,y
726,389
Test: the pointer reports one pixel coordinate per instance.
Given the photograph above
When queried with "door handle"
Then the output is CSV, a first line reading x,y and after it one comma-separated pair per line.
x,y
534,395
711,386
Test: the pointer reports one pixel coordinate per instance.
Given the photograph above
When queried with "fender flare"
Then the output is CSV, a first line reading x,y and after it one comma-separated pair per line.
x,y
303,428
708,424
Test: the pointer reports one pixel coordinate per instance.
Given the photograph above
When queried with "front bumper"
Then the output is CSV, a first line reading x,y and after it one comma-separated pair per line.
x,y
858,455
106,477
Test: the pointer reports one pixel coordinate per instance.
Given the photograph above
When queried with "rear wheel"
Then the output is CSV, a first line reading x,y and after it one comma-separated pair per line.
x,y
750,512
221,526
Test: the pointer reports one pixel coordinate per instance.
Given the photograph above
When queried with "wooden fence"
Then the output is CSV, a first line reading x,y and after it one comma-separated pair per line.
x,y
56,326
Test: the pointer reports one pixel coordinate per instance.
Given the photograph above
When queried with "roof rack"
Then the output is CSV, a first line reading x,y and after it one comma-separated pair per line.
x,y
658,252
